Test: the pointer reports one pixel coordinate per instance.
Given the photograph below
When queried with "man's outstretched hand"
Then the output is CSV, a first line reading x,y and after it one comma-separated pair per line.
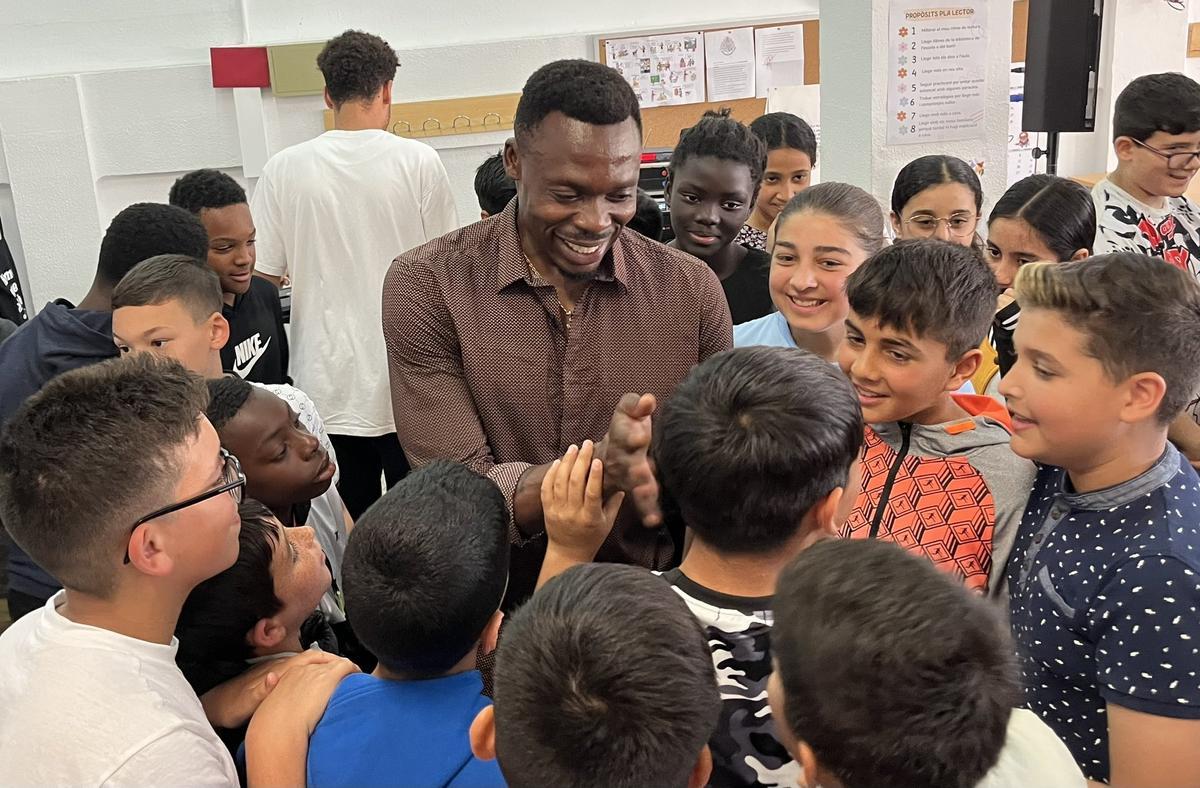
x,y
625,452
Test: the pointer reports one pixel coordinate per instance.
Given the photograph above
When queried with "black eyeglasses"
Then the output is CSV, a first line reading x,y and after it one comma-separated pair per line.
x,y
233,481
1175,161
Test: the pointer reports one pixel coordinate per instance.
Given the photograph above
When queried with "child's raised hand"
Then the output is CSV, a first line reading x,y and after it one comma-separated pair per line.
x,y
578,520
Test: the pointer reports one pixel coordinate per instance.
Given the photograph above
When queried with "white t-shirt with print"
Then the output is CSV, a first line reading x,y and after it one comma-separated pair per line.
x,y
1126,224
1032,756
332,213
85,706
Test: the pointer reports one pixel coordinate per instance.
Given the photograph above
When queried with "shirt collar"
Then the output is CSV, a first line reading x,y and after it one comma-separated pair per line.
x,y
1156,476
512,265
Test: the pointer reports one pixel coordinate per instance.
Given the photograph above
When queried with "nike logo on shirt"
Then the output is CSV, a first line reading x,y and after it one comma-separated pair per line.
x,y
247,353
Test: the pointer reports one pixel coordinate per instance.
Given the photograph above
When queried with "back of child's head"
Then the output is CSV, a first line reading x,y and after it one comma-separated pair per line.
x,y
218,615
718,135
171,277
425,569
927,288
1137,314
929,171
144,230
751,440
493,188
1167,102
648,220
892,673
202,189
603,678
1059,210
84,458
785,130
849,205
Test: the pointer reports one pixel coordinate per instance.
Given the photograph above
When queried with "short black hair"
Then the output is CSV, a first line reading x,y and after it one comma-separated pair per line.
x,y
891,672
648,220
356,65
425,569
929,171
583,90
1059,210
785,130
719,135
226,396
603,678
751,440
1167,102
221,611
85,457
202,189
493,188
146,229
170,277
928,288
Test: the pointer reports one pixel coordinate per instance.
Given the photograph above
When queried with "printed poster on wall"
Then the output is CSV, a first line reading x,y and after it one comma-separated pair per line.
x,y
730,64
662,70
936,77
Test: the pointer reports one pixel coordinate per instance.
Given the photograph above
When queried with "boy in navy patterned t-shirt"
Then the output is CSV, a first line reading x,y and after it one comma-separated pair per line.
x,y
1104,578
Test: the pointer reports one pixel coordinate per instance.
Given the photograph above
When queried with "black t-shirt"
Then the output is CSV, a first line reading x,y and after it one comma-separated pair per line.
x,y
746,288
257,349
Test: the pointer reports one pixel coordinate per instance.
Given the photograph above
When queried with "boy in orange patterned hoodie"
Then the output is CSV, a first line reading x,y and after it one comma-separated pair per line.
x,y
938,476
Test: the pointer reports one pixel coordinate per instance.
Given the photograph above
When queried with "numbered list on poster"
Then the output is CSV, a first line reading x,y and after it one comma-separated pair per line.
x,y
936,72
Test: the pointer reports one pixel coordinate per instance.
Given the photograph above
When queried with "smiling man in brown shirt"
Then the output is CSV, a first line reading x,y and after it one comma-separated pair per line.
x,y
513,338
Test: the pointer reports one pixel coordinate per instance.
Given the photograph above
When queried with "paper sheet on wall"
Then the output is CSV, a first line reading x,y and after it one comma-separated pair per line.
x,y
936,77
662,70
779,58
803,101
1021,143
729,64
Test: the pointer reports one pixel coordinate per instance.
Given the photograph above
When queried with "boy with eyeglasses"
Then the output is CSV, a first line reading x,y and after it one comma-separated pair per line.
x,y
1140,206
113,480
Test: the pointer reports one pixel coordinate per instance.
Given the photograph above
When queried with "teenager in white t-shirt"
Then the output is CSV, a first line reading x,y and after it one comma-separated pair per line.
x,y
332,213
113,480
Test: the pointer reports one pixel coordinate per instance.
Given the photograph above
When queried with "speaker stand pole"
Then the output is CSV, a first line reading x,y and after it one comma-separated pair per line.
x,y
1050,152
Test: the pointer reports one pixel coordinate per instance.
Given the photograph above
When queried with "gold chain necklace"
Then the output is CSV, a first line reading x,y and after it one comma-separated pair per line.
x,y
537,278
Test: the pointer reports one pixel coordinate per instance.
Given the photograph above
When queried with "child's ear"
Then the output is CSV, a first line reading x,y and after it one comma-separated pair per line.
x,y
702,770
825,513
808,762
1143,393
147,551
964,369
895,223
328,100
218,331
483,734
266,633
1080,254
491,633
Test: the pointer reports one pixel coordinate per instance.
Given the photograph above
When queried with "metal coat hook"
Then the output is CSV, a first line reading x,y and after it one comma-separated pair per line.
x,y
396,127
425,125
454,123
495,115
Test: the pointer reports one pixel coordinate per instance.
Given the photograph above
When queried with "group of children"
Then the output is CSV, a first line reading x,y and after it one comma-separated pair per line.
x,y
997,409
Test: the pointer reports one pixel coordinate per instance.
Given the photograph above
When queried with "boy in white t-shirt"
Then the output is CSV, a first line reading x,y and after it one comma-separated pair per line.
x,y
1140,206
332,213
889,673
113,480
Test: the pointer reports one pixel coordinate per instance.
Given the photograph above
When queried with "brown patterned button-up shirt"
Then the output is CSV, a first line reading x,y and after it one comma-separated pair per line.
x,y
487,370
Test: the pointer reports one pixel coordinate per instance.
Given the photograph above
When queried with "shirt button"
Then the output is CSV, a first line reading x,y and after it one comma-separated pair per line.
x,y
1038,539
1057,512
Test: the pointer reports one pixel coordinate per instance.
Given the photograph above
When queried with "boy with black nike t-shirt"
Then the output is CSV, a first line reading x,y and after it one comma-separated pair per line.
x,y
257,349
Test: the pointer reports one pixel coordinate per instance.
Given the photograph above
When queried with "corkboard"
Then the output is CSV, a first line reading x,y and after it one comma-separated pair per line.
x,y
661,125
1020,30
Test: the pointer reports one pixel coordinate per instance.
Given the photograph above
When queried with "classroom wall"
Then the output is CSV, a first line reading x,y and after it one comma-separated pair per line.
x,y
106,103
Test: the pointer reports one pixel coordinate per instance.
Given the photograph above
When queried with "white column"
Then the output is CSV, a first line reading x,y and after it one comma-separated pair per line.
x,y
856,61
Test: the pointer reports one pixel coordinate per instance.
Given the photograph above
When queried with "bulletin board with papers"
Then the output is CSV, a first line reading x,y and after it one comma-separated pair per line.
x,y
679,75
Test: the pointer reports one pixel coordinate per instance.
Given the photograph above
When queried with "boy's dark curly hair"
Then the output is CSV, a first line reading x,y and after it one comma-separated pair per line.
x,y
356,65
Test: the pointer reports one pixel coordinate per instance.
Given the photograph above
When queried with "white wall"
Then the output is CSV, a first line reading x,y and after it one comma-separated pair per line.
x,y
106,103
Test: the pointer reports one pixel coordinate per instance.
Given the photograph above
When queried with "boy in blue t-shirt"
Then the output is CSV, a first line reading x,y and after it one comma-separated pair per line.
x,y
1104,578
425,569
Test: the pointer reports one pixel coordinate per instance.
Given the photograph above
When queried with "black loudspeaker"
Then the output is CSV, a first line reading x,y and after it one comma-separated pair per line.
x,y
1062,64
